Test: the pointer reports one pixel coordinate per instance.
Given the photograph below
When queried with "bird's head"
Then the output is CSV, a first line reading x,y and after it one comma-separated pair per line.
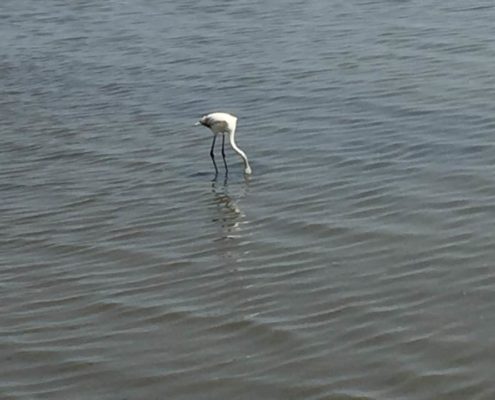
x,y
203,121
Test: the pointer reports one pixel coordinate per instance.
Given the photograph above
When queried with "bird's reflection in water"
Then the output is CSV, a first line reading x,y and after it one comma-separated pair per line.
x,y
229,251
229,216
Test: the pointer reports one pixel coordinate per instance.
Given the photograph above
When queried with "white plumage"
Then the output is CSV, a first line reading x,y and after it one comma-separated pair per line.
x,y
224,124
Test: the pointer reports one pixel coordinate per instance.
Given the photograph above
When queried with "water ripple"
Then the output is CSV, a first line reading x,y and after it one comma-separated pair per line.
x,y
356,262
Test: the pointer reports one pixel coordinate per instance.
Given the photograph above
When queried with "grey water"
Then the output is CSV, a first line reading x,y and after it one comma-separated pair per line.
x,y
357,262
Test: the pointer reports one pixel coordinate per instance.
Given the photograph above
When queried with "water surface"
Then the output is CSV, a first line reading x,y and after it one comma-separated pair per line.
x,y
356,263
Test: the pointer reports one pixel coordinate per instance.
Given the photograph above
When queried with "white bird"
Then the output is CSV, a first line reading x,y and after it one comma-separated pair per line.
x,y
224,124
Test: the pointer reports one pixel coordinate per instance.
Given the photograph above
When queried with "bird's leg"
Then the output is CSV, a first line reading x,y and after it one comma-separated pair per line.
x,y
212,155
223,155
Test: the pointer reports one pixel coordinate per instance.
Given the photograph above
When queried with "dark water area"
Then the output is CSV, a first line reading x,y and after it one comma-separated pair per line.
x,y
356,263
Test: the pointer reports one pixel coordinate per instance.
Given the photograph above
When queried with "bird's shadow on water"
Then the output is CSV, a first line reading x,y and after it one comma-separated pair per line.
x,y
233,175
222,179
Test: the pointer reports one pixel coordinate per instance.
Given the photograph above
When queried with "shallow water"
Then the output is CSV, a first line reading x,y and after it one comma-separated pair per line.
x,y
356,262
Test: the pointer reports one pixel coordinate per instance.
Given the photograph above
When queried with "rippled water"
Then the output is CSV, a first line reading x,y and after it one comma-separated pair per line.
x,y
356,263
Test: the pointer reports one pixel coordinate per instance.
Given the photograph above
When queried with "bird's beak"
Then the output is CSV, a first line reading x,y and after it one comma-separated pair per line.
x,y
197,123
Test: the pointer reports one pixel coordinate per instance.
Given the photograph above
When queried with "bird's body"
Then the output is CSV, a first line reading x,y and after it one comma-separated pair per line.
x,y
219,123
223,124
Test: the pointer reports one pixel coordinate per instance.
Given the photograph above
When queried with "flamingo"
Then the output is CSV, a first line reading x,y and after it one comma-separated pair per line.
x,y
221,123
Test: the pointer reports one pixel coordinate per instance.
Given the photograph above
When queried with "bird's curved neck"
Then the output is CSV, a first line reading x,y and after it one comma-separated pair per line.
x,y
247,167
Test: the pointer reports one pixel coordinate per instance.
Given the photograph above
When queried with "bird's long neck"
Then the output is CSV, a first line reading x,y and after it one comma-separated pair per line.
x,y
247,167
